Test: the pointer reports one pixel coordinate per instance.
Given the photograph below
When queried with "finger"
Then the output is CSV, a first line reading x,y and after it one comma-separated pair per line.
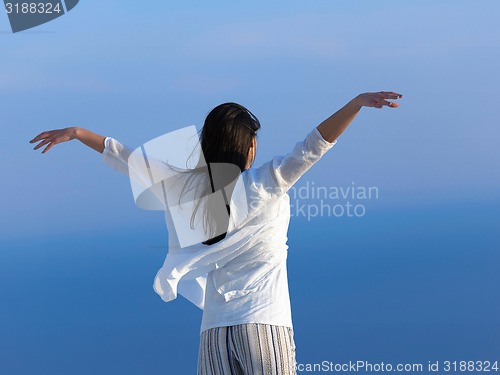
x,y
48,147
40,136
387,103
381,101
44,142
389,95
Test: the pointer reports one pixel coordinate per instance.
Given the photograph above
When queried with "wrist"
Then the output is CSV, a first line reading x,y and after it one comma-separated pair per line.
x,y
356,103
75,132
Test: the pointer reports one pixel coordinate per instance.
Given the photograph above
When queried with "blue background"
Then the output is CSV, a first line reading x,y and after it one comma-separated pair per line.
x,y
414,280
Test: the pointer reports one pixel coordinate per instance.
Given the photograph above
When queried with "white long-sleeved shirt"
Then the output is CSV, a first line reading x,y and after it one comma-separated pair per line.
x,y
243,278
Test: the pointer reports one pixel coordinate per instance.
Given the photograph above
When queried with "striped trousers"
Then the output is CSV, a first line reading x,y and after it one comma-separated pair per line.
x,y
247,349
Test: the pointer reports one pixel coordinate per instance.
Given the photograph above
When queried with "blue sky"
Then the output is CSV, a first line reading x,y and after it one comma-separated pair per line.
x,y
136,71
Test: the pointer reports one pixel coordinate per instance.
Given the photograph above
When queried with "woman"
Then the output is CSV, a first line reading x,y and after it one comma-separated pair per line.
x,y
238,275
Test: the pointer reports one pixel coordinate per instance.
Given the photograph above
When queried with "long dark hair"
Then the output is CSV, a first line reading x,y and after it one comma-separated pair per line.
x,y
226,137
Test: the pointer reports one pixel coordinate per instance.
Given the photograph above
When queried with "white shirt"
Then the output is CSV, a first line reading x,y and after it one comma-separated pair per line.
x,y
243,278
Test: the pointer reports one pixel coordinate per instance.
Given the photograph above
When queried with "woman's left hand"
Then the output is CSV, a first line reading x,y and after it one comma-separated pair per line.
x,y
54,137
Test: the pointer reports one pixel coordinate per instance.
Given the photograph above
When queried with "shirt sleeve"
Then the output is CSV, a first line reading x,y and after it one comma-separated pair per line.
x,y
149,192
278,175
116,154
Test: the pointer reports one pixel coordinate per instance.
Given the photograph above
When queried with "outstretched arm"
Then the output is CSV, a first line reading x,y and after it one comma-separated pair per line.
x,y
335,125
279,174
53,137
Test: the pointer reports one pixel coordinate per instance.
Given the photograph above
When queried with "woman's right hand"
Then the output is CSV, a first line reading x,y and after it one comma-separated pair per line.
x,y
377,99
53,137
